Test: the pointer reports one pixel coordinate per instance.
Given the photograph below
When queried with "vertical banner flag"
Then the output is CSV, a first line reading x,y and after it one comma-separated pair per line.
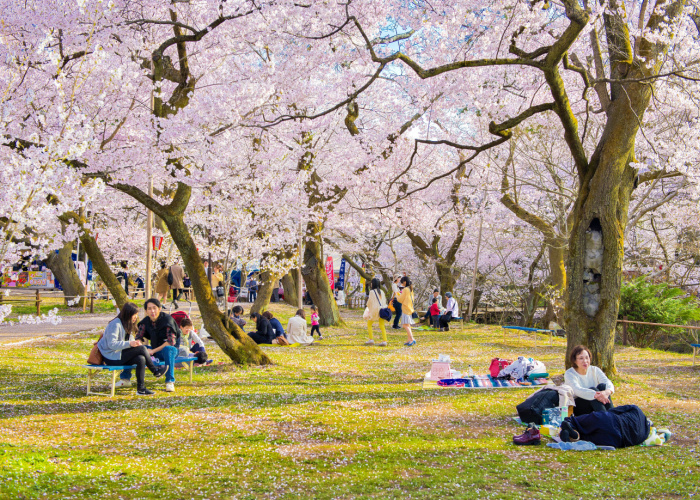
x,y
341,274
329,271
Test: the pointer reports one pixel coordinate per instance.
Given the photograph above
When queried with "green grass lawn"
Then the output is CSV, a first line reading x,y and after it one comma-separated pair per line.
x,y
333,420
28,306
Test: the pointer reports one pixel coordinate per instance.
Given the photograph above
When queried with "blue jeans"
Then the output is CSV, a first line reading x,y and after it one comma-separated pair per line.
x,y
167,355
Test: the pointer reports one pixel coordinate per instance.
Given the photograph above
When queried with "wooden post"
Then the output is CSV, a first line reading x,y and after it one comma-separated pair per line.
x,y
624,331
38,303
92,303
85,300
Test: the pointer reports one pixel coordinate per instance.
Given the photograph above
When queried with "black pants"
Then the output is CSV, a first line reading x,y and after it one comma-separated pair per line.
x,y
177,293
259,338
445,320
397,318
315,328
135,356
584,406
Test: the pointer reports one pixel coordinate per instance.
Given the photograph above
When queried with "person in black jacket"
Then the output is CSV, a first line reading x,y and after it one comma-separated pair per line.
x,y
162,330
264,334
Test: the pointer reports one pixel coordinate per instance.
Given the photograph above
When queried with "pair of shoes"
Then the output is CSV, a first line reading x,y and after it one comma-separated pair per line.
x,y
123,383
160,370
382,344
144,392
568,434
531,436
410,344
170,387
369,342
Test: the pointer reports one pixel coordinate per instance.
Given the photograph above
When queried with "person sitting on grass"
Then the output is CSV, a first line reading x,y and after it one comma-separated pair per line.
x,y
118,350
162,330
451,311
592,389
236,313
191,343
264,333
275,324
296,329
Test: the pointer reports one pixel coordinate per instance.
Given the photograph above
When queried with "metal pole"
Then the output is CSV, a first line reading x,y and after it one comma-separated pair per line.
x,y
149,244
301,262
476,266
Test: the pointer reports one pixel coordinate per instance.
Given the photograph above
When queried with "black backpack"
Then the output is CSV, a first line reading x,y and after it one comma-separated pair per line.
x,y
531,410
170,276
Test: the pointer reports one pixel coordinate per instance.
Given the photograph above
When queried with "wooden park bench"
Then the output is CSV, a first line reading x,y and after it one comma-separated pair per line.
x,y
93,370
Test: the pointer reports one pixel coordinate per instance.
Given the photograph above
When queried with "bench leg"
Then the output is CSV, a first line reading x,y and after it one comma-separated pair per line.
x,y
114,380
191,366
89,380
695,350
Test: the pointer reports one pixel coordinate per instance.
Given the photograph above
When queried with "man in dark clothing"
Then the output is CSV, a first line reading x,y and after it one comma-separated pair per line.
x,y
264,334
164,334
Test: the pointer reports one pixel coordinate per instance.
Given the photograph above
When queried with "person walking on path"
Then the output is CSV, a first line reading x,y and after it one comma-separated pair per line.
x,y
406,301
395,291
162,286
118,350
375,302
178,282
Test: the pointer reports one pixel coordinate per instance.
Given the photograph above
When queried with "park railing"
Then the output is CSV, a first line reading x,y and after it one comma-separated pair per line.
x,y
693,330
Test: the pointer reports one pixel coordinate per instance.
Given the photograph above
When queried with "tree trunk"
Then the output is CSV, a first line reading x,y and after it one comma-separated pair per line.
x,y
316,279
235,343
268,282
289,283
62,267
447,276
102,268
600,212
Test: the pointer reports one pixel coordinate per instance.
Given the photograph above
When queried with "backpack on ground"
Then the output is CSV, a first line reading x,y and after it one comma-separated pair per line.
x,y
498,364
531,410
171,278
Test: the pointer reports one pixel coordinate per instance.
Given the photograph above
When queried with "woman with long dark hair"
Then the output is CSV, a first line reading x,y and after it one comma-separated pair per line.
x,y
118,350
264,333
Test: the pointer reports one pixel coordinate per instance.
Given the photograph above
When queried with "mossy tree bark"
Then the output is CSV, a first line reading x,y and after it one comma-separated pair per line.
x,y
269,280
316,279
61,265
290,285
235,343
99,263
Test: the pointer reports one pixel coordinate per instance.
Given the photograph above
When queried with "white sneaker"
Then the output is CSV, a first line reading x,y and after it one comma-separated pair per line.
x,y
123,383
382,344
170,387
369,342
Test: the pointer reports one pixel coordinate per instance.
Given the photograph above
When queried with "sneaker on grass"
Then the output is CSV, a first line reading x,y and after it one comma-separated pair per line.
x,y
369,342
170,387
382,344
144,392
123,383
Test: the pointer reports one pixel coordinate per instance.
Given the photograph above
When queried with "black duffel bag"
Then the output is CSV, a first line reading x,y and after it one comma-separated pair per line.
x,y
531,410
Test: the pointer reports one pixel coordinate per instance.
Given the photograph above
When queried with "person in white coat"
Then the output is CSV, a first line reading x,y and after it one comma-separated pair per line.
x,y
375,302
296,329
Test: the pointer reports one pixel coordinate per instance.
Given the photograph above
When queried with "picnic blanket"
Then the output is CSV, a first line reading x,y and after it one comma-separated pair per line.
x,y
481,382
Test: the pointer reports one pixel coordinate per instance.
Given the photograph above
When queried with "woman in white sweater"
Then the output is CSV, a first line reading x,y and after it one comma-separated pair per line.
x,y
592,389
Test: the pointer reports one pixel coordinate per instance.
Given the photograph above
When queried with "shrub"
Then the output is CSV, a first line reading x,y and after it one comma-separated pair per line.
x,y
641,300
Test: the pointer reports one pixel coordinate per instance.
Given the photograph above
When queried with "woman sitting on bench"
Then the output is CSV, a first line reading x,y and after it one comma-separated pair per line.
x,y
117,350
592,389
